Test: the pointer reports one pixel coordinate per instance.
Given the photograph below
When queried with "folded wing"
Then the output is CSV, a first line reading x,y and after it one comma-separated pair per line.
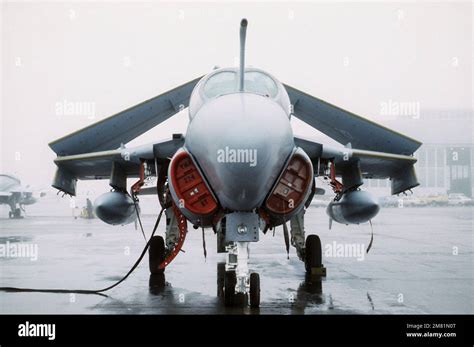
x,y
110,133
352,162
346,127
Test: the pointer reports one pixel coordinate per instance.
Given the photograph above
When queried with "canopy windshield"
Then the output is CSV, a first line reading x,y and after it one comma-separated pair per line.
x,y
227,82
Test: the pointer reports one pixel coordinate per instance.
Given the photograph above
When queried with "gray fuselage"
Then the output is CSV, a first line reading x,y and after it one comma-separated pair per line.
x,y
240,140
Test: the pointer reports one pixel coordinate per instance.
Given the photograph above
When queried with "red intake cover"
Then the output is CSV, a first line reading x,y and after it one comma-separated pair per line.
x,y
292,186
190,186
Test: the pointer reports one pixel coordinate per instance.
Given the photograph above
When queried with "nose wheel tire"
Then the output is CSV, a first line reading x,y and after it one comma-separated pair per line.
x,y
230,281
156,254
254,290
313,256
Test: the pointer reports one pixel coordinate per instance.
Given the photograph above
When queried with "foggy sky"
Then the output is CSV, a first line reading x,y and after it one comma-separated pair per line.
x,y
108,56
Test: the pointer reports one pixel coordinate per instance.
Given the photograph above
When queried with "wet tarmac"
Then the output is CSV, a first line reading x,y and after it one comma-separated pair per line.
x,y
421,261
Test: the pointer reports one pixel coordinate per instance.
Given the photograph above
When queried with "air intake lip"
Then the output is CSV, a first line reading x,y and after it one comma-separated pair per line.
x,y
292,187
190,187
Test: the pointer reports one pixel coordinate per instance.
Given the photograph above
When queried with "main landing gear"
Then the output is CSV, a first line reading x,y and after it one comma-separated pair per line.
x,y
162,252
309,251
313,256
156,255
236,284
15,213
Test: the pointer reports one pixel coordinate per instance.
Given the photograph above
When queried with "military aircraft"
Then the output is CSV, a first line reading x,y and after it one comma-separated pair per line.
x,y
13,194
239,169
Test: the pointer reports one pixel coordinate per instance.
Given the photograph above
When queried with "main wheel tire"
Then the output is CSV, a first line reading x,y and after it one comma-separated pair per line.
x,y
230,280
10,214
254,290
220,279
221,238
313,253
156,254
157,283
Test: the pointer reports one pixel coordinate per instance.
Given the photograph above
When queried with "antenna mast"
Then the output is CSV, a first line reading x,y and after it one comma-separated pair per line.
x,y
243,34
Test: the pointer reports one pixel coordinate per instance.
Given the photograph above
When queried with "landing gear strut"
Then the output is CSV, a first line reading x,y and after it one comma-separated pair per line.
x,y
241,228
239,285
308,251
160,255
15,213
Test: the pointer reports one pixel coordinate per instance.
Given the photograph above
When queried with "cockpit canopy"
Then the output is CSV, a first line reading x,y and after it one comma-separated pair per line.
x,y
226,81
8,182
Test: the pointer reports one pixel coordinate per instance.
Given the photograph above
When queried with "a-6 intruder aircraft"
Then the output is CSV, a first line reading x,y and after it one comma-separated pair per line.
x,y
239,169
13,194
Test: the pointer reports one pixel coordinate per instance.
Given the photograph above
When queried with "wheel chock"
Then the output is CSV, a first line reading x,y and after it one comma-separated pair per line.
x,y
318,271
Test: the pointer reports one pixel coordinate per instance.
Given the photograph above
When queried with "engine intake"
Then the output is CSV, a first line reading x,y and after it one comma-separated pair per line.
x,y
293,186
189,189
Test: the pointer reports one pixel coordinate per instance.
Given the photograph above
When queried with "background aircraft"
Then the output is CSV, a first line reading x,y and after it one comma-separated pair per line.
x,y
13,194
239,170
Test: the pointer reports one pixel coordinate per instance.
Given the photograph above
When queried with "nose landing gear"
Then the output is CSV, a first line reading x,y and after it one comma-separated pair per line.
x,y
230,281
233,298
239,284
254,290
241,228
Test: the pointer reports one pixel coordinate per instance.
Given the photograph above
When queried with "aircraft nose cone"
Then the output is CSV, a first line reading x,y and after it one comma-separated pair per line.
x,y
241,142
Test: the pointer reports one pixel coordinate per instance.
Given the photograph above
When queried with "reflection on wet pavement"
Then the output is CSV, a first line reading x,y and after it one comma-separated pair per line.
x,y
411,268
